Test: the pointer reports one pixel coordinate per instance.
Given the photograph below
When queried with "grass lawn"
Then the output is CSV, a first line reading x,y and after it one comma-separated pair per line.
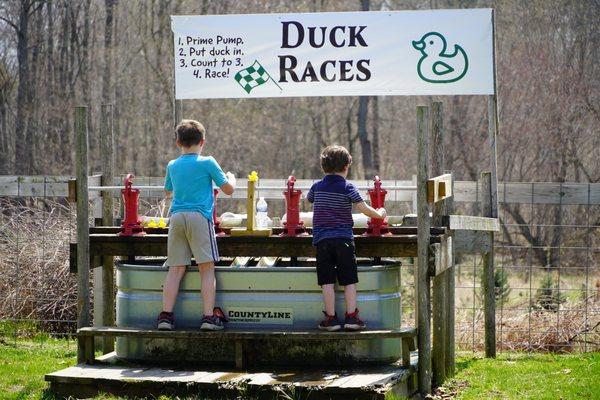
x,y
518,376
23,364
526,376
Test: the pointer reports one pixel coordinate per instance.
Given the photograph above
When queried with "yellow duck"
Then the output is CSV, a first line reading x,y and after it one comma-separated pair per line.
x,y
437,66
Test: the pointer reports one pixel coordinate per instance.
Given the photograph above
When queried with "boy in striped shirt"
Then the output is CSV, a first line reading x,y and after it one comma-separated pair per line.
x,y
332,199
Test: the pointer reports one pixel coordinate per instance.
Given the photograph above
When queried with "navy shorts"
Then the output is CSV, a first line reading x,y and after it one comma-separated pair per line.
x,y
336,259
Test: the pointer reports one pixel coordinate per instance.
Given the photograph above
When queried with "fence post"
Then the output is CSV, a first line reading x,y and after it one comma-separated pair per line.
x,y
108,172
83,244
489,298
423,236
439,295
450,299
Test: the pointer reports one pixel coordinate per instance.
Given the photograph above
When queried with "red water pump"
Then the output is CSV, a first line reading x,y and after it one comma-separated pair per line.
x,y
131,225
293,226
377,226
216,222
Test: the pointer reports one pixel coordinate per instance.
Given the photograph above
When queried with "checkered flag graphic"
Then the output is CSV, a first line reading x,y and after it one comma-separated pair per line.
x,y
251,77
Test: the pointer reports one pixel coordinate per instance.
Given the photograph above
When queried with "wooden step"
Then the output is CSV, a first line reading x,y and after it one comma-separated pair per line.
x,y
240,337
113,377
247,334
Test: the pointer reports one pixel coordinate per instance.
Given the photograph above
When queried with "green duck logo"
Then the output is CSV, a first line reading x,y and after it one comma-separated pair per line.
x,y
436,65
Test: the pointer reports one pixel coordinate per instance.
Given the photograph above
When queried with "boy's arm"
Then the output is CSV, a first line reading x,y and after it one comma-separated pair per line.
x,y
225,181
310,196
229,186
370,211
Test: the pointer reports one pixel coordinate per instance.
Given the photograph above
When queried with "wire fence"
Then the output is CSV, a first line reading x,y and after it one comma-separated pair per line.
x,y
547,259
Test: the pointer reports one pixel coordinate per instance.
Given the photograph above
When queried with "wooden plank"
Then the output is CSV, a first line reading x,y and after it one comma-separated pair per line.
x,y
372,382
156,245
83,243
450,301
395,230
439,188
467,222
422,275
441,261
442,258
107,144
471,241
238,334
239,354
489,301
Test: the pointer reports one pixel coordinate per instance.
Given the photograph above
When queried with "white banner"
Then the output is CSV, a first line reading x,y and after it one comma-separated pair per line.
x,y
436,52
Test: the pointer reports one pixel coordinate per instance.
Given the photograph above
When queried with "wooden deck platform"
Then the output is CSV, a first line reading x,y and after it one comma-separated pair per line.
x,y
110,375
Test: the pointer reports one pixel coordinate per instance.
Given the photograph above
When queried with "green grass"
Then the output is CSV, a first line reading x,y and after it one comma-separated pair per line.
x,y
527,376
518,376
23,364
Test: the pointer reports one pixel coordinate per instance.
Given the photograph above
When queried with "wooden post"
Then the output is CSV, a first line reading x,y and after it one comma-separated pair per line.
x,y
493,124
438,300
450,301
423,238
83,228
108,172
489,300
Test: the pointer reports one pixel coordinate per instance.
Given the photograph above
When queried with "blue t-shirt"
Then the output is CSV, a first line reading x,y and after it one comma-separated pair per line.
x,y
190,178
332,199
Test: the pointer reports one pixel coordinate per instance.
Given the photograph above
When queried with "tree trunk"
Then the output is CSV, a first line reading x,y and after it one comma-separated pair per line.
x,y
22,163
108,56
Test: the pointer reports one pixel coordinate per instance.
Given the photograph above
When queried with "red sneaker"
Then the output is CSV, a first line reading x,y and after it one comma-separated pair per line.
x,y
330,323
165,321
217,312
353,323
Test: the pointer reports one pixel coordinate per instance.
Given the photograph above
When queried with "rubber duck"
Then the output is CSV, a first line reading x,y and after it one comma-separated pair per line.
x,y
436,65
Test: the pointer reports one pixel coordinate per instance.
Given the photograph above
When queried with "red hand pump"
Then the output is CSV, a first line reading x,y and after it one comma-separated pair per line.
x,y
377,226
131,225
293,226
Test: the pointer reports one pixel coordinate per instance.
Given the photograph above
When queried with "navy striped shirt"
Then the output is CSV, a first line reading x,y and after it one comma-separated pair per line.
x,y
332,199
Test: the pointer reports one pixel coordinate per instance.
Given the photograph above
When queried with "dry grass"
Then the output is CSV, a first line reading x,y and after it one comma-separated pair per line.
x,y
35,283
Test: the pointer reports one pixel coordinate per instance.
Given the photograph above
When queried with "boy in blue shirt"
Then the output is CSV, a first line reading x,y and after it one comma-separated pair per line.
x,y
188,181
332,199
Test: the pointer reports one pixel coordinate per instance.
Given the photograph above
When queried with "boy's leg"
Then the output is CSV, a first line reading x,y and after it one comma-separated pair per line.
x,y
350,297
329,298
201,236
171,287
180,255
207,274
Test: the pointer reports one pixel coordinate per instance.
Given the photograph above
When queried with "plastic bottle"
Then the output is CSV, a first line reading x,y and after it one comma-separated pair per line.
x,y
262,217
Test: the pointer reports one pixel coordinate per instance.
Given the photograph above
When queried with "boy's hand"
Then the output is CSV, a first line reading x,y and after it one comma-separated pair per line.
x,y
231,178
382,212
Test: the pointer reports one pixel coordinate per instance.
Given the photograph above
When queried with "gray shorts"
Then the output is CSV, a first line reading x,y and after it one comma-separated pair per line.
x,y
191,233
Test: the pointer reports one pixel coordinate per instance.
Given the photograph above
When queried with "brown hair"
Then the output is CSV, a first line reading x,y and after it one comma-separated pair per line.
x,y
335,159
190,132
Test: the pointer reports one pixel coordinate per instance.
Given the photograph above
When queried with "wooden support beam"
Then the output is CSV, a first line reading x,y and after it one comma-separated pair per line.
x,y
239,354
107,144
468,222
422,273
240,334
439,188
436,190
449,339
489,298
83,243
72,188
441,257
